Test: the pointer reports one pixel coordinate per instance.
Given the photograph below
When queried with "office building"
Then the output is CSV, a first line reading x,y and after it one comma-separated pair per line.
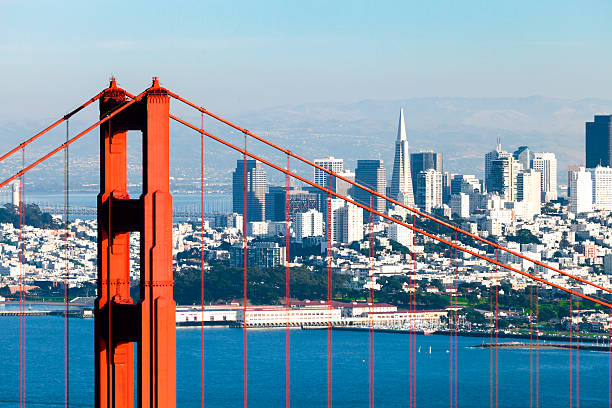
x,y
546,164
598,139
348,223
570,169
460,205
256,189
524,156
299,201
601,178
489,157
446,186
308,224
371,174
502,176
529,191
330,163
342,187
401,178
429,190
422,161
465,183
259,254
581,186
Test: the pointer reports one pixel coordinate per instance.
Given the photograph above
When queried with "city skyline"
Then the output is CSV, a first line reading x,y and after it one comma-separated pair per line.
x,y
198,193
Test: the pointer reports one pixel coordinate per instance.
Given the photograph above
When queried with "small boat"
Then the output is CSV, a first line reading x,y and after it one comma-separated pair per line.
x,y
429,349
419,349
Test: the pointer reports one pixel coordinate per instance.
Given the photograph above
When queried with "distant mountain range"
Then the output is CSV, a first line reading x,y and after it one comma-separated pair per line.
x,y
463,129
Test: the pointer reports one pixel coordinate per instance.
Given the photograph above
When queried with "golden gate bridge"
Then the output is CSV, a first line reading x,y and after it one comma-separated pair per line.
x,y
120,323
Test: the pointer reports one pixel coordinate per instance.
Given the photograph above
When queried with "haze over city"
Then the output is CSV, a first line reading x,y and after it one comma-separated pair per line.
x,y
305,204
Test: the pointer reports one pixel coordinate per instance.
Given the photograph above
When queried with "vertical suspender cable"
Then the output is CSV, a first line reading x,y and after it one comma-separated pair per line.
x,y
369,230
329,299
413,307
245,260
531,345
67,265
202,264
571,357
451,322
22,363
456,294
287,290
491,337
411,335
578,354
537,310
496,333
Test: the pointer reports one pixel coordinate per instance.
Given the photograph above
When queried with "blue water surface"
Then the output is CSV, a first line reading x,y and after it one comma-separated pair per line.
x,y
266,369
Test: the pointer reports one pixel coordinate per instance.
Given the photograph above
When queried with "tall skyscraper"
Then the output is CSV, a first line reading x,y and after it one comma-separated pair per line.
x,y
330,163
489,157
256,189
581,186
429,189
422,161
502,176
401,178
546,164
598,140
371,174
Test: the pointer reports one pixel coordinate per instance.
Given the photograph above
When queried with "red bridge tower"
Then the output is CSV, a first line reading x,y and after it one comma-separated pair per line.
x,y
119,322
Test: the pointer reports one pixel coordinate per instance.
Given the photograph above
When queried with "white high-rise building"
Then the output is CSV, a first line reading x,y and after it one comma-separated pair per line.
x,y
529,184
429,189
348,223
546,164
460,205
330,163
16,187
330,221
581,186
401,178
602,187
308,224
401,234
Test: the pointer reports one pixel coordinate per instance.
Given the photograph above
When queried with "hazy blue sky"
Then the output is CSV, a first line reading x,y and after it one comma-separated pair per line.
x,y
239,56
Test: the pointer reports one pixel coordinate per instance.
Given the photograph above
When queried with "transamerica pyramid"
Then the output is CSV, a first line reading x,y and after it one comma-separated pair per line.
x,y
401,180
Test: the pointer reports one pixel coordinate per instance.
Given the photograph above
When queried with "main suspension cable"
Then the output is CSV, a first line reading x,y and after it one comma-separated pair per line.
x,y
73,139
51,126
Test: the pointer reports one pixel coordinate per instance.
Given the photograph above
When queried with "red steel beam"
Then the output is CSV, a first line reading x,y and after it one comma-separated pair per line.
x,y
389,218
376,193
51,126
74,139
